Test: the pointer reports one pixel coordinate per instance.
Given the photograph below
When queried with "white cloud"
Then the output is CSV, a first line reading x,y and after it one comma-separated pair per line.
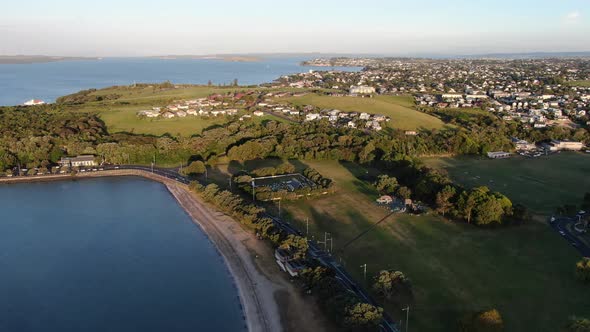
x,y
573,17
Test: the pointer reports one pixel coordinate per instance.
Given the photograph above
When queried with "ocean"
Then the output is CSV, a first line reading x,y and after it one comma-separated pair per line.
x,y
108,254
48,81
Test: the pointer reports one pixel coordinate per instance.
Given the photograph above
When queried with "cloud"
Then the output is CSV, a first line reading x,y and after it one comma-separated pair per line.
x,y
573,17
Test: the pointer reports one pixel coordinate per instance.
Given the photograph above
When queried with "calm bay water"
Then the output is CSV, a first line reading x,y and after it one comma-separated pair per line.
x,y
110,254
47,81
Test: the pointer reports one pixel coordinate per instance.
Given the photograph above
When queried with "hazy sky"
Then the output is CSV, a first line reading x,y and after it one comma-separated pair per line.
x,y
144,27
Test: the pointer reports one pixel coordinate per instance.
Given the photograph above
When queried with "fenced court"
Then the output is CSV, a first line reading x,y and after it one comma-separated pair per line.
x,y
288,182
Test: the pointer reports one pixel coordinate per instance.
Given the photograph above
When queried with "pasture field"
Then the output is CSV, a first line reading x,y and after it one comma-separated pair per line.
x,y
541,184
398,108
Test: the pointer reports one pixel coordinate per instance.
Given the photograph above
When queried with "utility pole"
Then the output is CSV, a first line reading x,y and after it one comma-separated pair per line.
x,y
253,191
407,310
306,227
229,180
207,176
364,266
279,208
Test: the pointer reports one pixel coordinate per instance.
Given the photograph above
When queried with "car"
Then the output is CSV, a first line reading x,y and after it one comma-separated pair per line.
x,y
116,167
562,233
552,219
575,244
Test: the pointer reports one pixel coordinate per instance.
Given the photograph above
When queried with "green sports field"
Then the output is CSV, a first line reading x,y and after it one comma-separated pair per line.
x,y
525,272
541,183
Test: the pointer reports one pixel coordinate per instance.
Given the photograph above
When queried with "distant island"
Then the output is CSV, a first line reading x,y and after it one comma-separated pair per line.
x,y
224,57
28,59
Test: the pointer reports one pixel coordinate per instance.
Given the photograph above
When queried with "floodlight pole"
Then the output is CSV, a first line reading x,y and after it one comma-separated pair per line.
x,y
407,310
364,266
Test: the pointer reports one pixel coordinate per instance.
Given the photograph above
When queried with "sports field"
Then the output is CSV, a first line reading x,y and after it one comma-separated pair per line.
x,y
397,108
541,183
525,272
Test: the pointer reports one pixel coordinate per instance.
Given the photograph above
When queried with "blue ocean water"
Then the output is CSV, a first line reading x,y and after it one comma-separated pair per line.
x,y
47,81
109,254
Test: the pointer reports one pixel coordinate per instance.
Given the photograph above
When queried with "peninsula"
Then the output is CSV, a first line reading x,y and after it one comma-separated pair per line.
x,y
28,59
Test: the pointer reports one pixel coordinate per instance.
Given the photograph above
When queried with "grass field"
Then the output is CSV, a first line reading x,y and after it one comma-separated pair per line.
x,y
585,83
121,115
541,183
398,108
525,272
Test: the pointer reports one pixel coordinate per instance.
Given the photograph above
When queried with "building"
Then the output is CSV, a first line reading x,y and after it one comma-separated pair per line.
x,y
34,102
556,145
522,145
498,155
258,113
385,199
362,90
84,160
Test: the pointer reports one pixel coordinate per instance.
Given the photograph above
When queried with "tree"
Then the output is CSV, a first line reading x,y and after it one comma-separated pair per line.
x,y
363,315
443,199
404,192
297,244
389,284
386,184
196,167
583,270
483,321
577,324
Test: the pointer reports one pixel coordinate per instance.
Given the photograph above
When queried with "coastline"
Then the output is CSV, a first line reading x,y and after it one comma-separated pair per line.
x,y
269,301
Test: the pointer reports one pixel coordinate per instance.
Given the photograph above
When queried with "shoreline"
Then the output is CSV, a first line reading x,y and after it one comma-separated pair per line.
x,y
255,290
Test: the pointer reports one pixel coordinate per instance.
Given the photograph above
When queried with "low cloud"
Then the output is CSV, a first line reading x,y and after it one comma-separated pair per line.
x,y
573,17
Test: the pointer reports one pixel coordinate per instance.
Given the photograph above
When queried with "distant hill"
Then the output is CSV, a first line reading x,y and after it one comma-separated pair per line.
x,y
28,59
531,55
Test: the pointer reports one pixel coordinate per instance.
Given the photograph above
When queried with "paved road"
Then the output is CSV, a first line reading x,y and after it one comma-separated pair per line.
x,y
560,224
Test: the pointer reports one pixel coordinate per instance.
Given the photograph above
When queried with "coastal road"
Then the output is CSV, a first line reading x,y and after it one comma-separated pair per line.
x,y
563,226
345,279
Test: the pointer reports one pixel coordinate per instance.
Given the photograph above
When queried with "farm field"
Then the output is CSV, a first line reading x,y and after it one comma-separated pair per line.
x,y
454,267
397,108
541,184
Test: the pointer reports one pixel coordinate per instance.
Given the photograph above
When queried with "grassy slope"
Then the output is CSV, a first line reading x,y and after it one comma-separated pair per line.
x,y
526,272
398,108
120,115
542,183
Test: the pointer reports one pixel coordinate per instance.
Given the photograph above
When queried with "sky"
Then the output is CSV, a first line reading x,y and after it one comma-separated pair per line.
x,y
386,27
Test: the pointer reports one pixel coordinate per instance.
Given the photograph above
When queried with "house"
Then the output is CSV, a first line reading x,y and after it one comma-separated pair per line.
x,y
411,133
522,145
365,116
556,145
33,102
282,256
363,90
498,155
385,199
293,267
181,114
168,115
351,124
258,113
83,160
312,116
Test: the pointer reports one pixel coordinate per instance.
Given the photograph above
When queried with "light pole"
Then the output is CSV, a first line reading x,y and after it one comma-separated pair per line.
x,y
407,310
364,266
